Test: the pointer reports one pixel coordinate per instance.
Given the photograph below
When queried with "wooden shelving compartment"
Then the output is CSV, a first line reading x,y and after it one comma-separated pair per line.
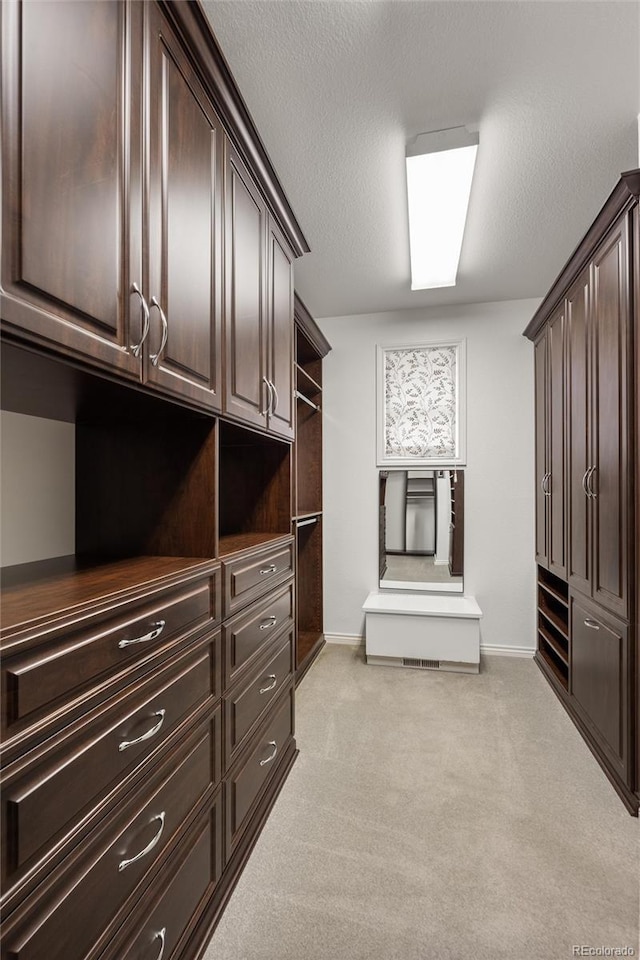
x,y
311,347
310,635
254,488
553,624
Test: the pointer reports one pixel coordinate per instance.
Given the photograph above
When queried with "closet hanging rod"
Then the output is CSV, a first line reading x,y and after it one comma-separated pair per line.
x,y
306,523
301,396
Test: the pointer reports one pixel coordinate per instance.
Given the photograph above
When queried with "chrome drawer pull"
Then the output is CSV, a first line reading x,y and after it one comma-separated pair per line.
x,y
271,622
270,569
273,677
273,744
591,491
592,623
161,936
584,482
158,627
149,847
145,736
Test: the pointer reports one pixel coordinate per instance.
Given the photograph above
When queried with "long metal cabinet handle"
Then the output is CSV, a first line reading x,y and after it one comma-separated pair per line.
x,y
547,485
161,936
584,482
273,679
275,394
273,744
125,744
149,847
590,489
155,357
267,411
158,627
137,347
592,623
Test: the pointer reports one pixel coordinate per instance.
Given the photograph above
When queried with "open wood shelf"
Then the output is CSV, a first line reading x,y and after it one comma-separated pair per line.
x,y
304,377
560,623
555,644
555,664
552,592
235,543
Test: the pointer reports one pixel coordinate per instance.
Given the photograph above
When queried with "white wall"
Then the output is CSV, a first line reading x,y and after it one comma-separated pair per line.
x,y
37,479
499,482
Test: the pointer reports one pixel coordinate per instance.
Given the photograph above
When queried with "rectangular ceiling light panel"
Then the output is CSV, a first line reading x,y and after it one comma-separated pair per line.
x,y
439,174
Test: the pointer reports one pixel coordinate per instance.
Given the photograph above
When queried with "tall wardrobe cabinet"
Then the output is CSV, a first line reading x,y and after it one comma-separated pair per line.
x,y
586,334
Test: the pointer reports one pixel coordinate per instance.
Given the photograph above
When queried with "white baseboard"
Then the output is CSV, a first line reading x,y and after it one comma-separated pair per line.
x,y
351,639
498,650
488,649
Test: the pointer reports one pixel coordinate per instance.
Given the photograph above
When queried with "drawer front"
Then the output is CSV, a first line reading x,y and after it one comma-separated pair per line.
x,y
45,802
251,576
37,683
247,634
250,700
600,679
256,766
194,872
76,912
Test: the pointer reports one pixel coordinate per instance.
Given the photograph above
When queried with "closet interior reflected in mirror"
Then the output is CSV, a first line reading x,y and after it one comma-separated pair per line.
x,y
422,530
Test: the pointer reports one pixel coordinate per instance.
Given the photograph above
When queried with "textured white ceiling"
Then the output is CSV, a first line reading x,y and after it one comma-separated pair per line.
x,y
337,88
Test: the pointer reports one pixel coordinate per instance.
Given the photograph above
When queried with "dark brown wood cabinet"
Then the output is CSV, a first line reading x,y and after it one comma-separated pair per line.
x,y
588,639
259,308
247,394
147,680
185,152
72,178
550,446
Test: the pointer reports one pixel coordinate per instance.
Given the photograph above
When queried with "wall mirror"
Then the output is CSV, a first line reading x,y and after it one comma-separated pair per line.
x,y
421,521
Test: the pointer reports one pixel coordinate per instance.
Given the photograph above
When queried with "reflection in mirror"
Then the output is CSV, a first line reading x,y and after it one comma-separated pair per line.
x,y
422,530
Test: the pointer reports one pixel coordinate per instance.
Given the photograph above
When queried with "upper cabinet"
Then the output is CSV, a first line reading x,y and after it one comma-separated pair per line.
x,y
599,453
259,308
550,446
185,223
72,180
246,390
133,229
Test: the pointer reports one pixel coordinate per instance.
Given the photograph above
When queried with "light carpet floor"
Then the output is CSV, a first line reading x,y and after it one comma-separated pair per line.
x,y
436,816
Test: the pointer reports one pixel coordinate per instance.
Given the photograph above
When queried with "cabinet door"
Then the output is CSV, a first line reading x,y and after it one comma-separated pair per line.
x,y
71,177
578,462
540,356
246,392
556,445
280,338
610,450
185,224
600,680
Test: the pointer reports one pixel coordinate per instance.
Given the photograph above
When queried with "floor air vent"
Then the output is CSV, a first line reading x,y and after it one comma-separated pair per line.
x,y
421,664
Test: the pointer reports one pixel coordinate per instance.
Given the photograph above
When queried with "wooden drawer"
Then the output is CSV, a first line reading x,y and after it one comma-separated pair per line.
x,y
77,913
51,792
256,766
250,576
194,871
247,634
40,684
250,699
